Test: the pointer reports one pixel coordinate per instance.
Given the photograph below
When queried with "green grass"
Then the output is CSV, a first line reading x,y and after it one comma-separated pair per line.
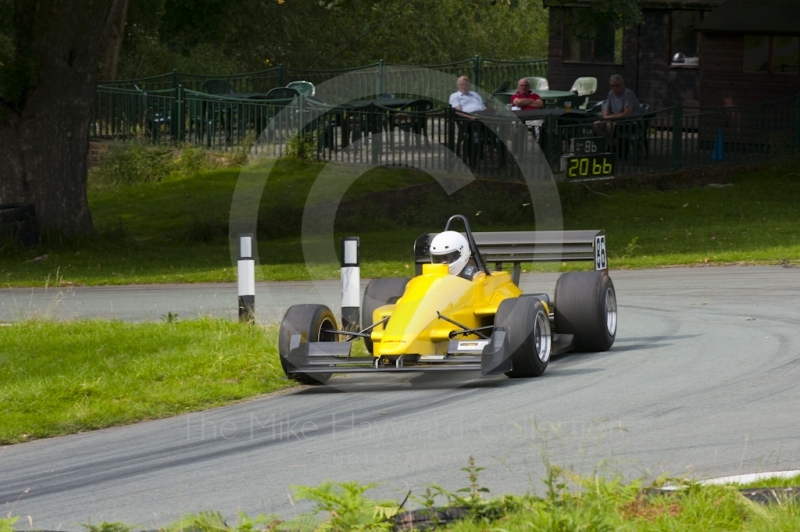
x,y
626,508
66,377
570,503
773,482
175,229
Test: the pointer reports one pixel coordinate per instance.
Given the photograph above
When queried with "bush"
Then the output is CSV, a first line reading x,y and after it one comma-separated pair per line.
x,y
134,163
130,164
302,146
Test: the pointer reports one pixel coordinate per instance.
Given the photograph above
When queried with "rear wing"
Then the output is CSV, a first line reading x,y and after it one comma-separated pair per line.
x,y
528,246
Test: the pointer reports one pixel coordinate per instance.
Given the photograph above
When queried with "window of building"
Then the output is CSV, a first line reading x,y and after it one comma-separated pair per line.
x,y
785,55
606,47
684,38
756,53
778,54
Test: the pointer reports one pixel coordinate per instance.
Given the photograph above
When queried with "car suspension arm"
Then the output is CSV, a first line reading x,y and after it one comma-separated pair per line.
x,y
466,330
359,334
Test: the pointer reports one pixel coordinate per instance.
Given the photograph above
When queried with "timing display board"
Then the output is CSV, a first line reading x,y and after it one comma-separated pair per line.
x,y
589,166
587,145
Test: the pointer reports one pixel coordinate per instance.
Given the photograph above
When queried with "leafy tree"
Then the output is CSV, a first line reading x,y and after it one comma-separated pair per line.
x,y
585,18
226,36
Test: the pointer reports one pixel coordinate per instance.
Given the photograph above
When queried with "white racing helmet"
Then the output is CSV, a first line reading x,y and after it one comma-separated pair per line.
x,y
450,248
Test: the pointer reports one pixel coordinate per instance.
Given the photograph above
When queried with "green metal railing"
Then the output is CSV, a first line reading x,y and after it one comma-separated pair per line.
x,y
484,73
122,114
664,140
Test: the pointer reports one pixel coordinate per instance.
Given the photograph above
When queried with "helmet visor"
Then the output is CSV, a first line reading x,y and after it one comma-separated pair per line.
x,y
447,258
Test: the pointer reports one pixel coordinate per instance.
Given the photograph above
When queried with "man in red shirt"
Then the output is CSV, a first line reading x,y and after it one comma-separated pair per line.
x,y
524,98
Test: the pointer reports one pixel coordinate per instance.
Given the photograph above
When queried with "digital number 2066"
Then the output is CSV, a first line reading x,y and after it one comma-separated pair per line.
x,y
589,166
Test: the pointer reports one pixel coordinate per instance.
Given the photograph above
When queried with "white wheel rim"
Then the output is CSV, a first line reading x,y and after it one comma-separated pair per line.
x,y
611,311
541,335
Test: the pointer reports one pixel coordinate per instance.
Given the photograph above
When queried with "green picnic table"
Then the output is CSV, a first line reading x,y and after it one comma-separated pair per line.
x,y
551,98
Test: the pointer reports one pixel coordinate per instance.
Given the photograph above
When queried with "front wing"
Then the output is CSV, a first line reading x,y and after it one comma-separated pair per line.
x,y
491,357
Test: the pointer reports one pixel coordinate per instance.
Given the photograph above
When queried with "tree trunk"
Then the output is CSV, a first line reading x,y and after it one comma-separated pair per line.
x,y
45,133
112,40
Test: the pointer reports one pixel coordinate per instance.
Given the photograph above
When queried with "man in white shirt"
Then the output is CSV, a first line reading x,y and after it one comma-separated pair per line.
x,y
465,100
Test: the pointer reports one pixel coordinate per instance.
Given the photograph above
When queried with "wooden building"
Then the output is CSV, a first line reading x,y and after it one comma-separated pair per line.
x,y
750,52
660,60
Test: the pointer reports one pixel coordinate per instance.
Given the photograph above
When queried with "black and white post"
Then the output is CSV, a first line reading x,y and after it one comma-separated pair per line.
x,y
247,279
351,284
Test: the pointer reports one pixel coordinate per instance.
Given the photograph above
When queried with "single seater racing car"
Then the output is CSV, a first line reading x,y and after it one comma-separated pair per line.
x,y
457,314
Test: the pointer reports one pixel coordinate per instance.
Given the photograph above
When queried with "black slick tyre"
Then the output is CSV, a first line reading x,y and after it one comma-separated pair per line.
x,y
380,292
586,307
526,322
311,322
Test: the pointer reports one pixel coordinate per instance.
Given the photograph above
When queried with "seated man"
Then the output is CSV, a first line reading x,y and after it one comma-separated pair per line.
x,y
524,99
465,100
620,103
451,248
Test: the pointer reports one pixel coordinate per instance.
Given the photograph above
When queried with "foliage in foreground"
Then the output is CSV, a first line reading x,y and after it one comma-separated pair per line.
x,y
66,377
7,523
569,503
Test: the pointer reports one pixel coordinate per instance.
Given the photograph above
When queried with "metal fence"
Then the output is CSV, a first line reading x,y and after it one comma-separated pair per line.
x,y
411,133
487,74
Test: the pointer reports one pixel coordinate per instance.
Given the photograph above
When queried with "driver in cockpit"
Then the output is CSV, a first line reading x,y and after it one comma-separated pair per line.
x,y
452,248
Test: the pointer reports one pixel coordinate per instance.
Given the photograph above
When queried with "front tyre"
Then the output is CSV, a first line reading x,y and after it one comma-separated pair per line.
x,y
528,328
311,322
586,307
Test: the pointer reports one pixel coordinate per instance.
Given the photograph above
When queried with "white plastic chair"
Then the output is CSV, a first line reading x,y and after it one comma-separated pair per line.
x,y
537,83
584,86
306,88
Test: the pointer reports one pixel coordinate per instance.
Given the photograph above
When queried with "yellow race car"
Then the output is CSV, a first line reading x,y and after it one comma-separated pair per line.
x,y
457,314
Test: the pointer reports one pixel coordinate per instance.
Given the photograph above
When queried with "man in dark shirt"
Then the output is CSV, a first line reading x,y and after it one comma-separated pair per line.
x,y
620,103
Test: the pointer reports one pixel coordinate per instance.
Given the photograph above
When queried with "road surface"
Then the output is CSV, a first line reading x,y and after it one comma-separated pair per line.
x,y
702,382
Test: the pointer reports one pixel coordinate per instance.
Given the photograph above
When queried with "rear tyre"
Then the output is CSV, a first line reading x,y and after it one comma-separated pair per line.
x,y
311,322
586,307
380,292
526,322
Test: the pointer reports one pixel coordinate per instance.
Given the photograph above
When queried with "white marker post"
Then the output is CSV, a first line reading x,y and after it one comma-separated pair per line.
x,y
247,279
351,284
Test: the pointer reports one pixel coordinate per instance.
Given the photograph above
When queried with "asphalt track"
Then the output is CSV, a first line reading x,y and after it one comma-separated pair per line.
x,y
702,381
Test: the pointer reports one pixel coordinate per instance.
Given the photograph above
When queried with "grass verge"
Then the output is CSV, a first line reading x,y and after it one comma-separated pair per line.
x,y
60,378
174,230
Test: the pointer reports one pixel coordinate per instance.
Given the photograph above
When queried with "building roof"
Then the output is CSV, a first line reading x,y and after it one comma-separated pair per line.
x,y
644,4
746,16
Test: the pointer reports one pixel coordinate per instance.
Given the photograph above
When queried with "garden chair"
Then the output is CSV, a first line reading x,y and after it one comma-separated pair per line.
x,y
584,87
156,113
216,86
413,118
538,84
306,88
